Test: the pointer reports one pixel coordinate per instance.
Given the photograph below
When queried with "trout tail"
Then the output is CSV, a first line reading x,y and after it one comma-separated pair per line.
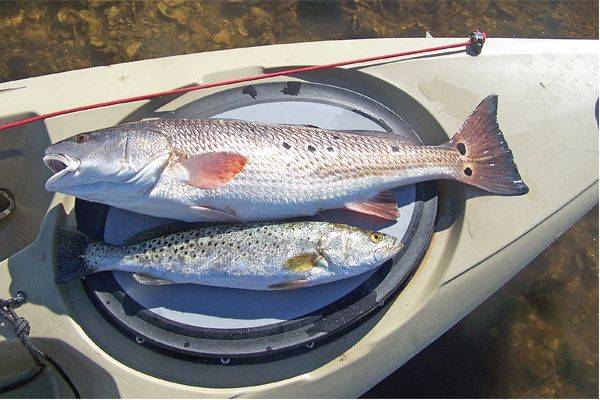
x,y
488,163
70,264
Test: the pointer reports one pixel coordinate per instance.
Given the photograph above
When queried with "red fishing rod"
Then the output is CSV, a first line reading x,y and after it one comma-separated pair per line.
x,y
475,43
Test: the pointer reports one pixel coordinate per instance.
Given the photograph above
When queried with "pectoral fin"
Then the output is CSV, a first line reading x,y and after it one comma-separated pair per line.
x,y
303,262
148,280
383,205
213,170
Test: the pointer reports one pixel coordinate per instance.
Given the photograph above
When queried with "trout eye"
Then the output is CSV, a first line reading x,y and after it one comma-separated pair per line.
x,y
82,137
376,237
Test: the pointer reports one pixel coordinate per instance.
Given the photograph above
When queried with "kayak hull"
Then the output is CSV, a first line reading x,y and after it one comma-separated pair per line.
x,y
548,111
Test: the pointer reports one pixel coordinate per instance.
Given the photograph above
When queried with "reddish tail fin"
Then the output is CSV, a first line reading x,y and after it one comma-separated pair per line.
x,y
488,162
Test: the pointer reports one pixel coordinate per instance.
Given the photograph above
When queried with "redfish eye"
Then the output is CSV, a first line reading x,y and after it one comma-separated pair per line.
x,y
82,137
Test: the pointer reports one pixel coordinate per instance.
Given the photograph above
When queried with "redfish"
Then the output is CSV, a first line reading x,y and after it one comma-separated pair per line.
x,y
238,171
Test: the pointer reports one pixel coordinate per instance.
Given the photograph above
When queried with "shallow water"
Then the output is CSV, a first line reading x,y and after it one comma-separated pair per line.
x,y
44,37
537,336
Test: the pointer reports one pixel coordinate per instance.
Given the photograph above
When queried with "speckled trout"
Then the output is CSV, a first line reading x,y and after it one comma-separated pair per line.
x,y
236,171
257,256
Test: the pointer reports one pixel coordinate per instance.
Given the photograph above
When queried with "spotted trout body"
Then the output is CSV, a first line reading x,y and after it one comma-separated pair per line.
x,y
254,256
235,171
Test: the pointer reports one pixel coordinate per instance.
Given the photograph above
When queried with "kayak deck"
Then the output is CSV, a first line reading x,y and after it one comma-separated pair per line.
x,y
479,242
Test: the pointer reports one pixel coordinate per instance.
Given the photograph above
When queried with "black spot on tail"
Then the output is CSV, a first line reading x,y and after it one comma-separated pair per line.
x,y
488,162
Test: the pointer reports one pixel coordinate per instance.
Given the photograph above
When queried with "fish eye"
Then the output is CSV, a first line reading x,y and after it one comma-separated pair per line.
x,y
82,137
376,237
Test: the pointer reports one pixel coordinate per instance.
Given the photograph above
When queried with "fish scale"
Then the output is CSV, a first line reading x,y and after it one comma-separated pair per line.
x,y
256,256
276,175
240,171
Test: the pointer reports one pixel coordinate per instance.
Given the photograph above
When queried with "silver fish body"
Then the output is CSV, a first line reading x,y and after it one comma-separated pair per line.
x,y
255,256
230,170
291,170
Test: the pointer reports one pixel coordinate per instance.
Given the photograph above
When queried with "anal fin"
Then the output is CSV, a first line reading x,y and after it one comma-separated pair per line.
x,y
290,285
383,205
148,280
212,214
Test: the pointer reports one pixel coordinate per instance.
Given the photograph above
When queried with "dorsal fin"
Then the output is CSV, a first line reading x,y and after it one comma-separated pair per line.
x,y
163,230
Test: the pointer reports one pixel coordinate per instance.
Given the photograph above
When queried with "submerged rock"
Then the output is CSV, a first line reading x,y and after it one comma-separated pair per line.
x,y
68,16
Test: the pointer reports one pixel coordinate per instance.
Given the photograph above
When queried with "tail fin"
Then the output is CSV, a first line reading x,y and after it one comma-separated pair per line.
x,y
488,162
70,264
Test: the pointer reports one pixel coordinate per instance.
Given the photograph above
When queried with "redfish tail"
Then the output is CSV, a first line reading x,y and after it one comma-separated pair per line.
x,y
71,245
488,162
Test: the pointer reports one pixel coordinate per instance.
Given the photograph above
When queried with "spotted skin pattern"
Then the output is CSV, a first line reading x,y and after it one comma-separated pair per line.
x,y
250,257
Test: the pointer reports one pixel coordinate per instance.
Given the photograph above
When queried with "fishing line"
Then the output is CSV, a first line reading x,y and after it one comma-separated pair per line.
x,y
475,41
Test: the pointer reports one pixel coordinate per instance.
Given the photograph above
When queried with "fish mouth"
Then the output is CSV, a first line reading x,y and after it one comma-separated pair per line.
x,y
395,248
391,250
60,165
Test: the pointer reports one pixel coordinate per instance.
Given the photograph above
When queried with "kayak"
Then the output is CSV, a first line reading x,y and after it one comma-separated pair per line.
x,y
475,242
